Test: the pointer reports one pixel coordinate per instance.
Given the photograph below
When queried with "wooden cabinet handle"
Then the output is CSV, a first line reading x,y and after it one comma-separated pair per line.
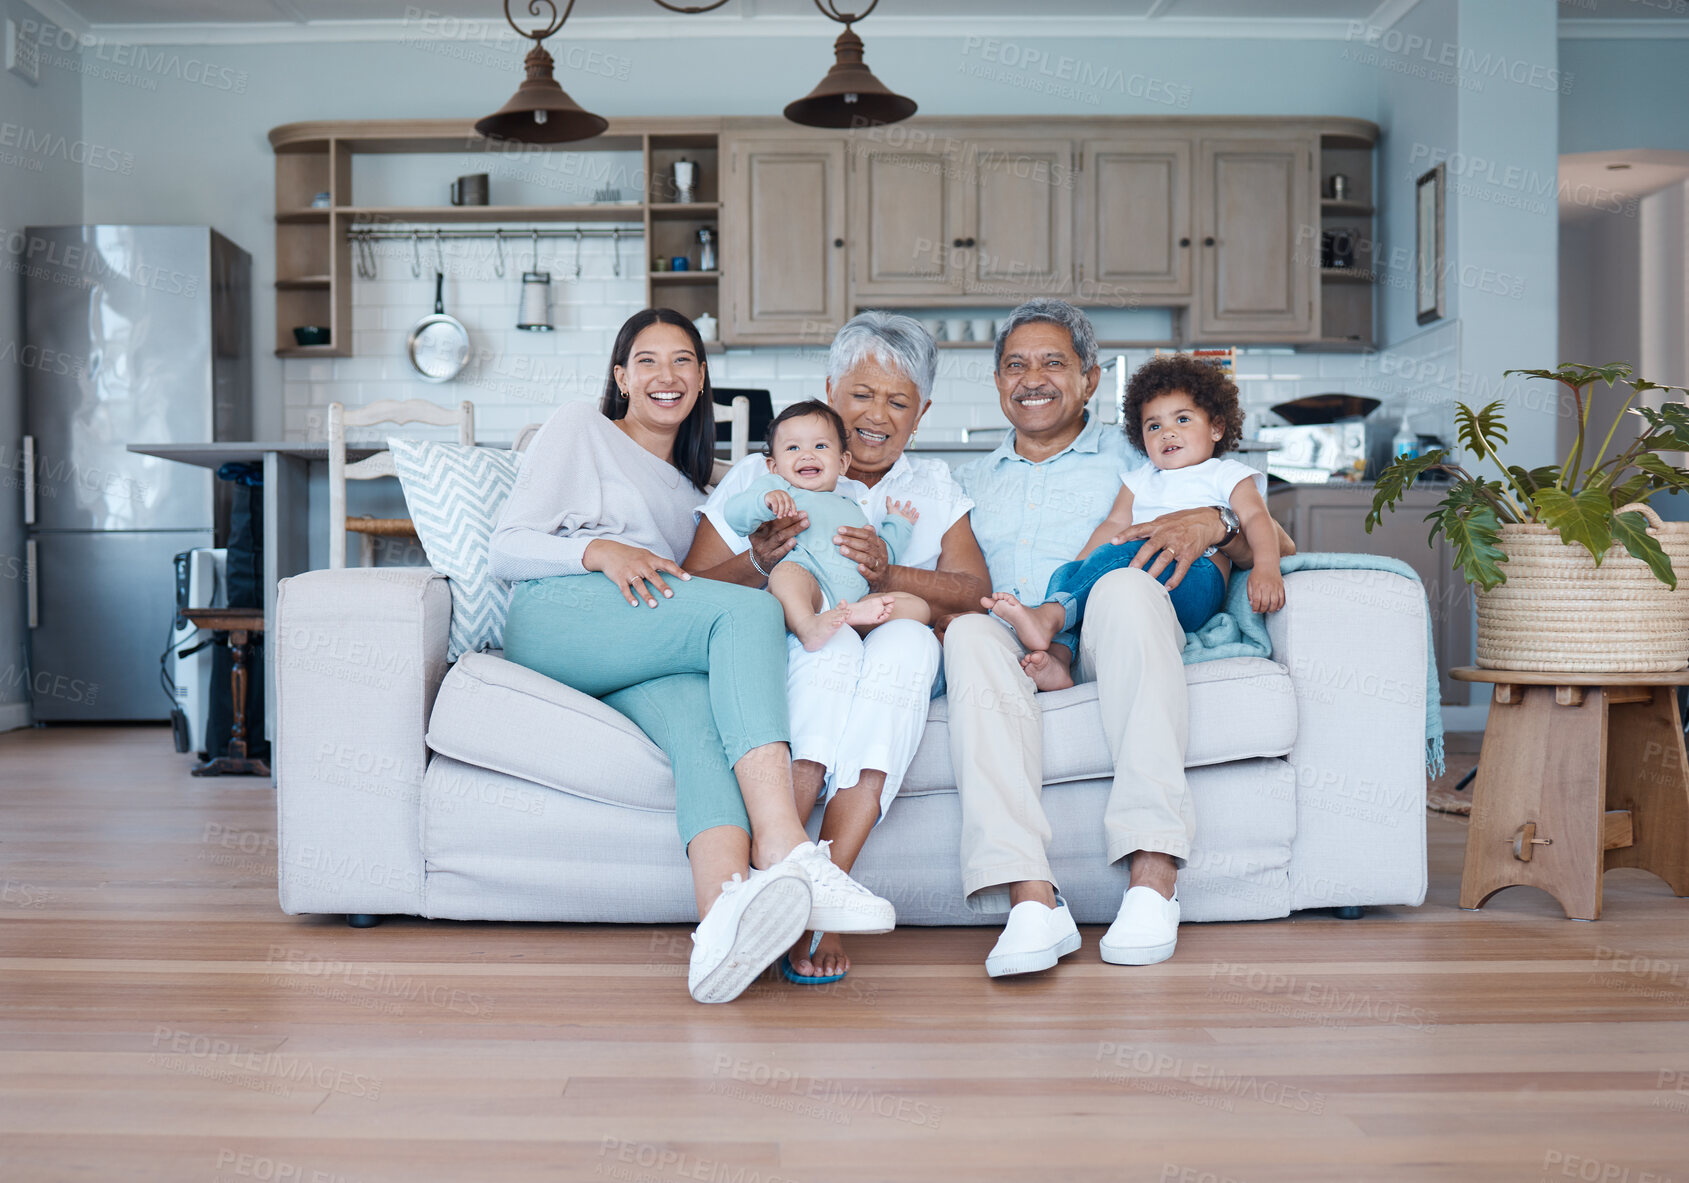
x,y
838,242
1209,241
958,243
969,242
1184,242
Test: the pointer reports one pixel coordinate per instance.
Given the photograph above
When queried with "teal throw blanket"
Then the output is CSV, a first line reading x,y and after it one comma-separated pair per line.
x,y
1239,631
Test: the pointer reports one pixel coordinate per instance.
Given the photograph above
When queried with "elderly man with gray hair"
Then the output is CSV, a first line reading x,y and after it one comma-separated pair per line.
x,y
1037,499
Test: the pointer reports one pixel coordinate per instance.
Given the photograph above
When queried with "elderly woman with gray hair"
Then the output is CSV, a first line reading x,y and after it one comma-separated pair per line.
x,y
859,703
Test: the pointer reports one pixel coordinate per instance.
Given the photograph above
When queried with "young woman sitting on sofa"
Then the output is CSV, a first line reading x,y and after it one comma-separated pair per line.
x,y
592,536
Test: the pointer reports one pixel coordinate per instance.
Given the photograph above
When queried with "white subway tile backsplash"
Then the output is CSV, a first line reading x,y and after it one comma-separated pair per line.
x,y
515,377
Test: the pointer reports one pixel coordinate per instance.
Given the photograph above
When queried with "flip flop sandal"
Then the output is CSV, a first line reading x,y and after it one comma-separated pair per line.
x,y
797,979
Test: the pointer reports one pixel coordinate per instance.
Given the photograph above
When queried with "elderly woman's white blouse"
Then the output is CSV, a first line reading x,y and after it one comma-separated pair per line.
x,y
926,482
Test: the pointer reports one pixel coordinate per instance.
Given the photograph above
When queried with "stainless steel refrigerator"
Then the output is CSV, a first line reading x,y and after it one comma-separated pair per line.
x,y
131,334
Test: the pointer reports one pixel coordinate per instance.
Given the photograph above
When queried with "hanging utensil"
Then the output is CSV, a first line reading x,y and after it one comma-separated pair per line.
x,y
416,255
535,313
498,245
438,345
577,252
616,246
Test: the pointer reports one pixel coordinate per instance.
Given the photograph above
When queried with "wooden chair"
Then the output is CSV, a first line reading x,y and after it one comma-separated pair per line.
x,y
737,413
379,465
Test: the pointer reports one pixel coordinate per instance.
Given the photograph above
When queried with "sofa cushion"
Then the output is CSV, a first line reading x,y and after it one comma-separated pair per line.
x,y
1240,708
455,494
496,714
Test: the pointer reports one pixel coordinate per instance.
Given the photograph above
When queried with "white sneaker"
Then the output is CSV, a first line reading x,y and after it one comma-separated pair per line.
x,y
839,903
1145,931
1035,938
751,923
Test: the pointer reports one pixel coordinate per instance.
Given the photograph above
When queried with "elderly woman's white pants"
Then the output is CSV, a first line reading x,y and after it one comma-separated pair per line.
x,y
860,703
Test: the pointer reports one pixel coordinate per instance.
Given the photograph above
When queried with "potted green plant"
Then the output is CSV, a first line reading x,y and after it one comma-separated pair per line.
x,y
1572,569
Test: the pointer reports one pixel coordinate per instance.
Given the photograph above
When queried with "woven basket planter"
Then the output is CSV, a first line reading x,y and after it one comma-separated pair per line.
x,y
1560,613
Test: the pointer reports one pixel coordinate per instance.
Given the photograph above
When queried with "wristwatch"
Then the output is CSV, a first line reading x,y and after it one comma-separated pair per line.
x,y
1228,519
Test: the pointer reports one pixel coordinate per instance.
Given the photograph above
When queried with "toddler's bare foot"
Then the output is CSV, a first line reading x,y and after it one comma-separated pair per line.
x,y
1046,672
815,631
1031,625
870,610
828,959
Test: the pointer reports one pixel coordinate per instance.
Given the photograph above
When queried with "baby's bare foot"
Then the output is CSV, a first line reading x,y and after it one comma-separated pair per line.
x,y
817,630
870,610
828,959
1034,632
1046,672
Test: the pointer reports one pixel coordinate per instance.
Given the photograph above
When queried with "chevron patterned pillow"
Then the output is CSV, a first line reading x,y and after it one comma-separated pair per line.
x,y
455,495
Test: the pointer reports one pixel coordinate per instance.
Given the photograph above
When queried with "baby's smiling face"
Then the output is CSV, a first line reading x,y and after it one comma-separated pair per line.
x,y
1177,432
808,454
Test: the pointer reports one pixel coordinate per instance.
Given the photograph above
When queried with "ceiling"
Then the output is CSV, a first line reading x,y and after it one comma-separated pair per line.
x,y
1623,10
300,11
241,20
1590,185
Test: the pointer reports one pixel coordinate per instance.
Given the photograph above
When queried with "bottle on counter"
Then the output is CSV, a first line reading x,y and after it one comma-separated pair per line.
x,y
1405,444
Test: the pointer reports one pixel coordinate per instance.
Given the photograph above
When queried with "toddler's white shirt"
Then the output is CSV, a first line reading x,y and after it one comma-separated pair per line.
x,y
1160,491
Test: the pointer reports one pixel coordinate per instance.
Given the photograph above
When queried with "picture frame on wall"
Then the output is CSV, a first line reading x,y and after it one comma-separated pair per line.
x,y
1428,258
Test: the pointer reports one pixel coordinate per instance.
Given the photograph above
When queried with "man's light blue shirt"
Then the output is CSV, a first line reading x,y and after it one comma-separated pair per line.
x,y
1031,518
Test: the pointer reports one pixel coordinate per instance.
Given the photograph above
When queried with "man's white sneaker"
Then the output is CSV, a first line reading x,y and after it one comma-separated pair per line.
x,y
1035,938
1145,931
839,903
751,923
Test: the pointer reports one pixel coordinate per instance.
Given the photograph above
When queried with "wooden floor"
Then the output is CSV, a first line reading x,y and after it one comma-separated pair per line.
x,y
160,1019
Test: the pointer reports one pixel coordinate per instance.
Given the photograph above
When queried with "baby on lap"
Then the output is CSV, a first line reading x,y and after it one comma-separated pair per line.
x,y
819,589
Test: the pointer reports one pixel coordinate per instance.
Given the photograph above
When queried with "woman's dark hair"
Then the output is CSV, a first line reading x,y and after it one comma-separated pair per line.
x,y
694,445
1209,387
804,410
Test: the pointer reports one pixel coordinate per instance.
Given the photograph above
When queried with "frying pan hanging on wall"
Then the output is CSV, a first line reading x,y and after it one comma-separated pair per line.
x,y
438,345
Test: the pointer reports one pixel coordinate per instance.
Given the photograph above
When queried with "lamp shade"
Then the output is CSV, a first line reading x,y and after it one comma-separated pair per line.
x,y
850,95
540,112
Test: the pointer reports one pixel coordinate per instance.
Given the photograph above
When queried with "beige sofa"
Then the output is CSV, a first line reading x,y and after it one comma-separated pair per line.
x,y
486,791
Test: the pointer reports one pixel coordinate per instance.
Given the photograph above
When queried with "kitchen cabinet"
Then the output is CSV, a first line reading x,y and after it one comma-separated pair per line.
x,y
1017,219
1216,218
1135,219
906,211
953,216
1332,518
1255,203
784,226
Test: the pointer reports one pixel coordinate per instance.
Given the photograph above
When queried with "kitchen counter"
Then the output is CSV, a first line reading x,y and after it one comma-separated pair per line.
x,y
286,514
218,454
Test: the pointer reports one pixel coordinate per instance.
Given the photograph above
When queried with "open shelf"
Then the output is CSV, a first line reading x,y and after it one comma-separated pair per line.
x,y
302,283
493,213
685,276
296,217
701,211
1346,275
1331,207
310,351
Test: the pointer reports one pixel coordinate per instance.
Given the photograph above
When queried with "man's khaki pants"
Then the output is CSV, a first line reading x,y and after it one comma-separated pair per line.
x,y
1130,646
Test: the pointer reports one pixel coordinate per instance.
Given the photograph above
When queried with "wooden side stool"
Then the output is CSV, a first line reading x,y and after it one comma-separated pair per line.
x,y
1579,773
240,624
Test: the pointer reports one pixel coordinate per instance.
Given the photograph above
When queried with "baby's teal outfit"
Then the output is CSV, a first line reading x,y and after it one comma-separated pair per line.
x,y
815,552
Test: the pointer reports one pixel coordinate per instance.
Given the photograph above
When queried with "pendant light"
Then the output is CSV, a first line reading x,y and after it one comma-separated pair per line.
x,y
849,95
540,112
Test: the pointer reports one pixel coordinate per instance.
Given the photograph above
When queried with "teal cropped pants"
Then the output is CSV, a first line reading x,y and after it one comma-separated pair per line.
x,y
702,674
